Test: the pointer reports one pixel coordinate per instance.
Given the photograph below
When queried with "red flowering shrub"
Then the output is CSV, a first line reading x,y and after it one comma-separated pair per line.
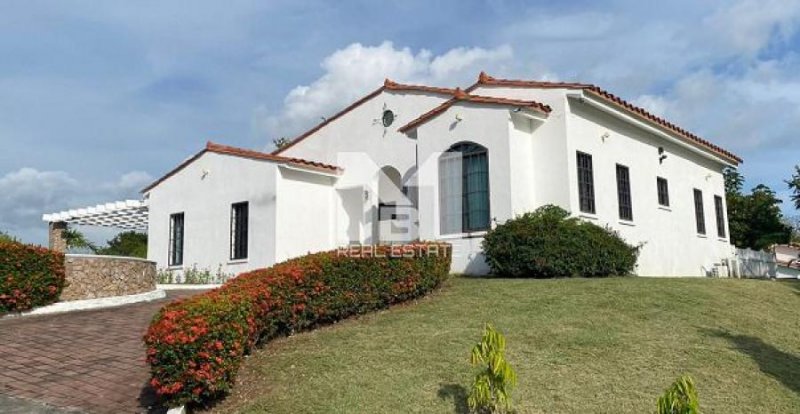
x,y
195,345
30,276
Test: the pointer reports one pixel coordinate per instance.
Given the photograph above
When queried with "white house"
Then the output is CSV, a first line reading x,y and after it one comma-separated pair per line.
x,y
413,162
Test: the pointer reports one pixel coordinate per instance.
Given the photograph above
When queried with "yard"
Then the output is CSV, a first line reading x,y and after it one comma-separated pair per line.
x,y
578,345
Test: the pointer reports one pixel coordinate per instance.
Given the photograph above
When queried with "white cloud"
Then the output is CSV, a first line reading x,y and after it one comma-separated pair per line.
x,y
461,62
132,181
28,193
351,72
748,26
742,111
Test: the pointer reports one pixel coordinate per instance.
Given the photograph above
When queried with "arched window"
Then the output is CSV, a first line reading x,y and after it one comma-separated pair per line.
x,y
464,189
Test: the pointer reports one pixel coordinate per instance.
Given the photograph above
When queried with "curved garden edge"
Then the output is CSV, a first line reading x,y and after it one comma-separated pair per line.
x,y
90,304
195,346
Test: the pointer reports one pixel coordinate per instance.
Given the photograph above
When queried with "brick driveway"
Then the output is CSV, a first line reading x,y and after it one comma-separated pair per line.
x,y
89,361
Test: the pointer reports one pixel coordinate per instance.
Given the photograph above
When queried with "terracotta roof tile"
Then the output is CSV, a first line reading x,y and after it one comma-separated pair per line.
x,y
461,96
486,80
245,153
387,85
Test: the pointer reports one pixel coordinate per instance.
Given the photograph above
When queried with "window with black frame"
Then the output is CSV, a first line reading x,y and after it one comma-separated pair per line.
x,y
464,189
720,210
239,223
663,191
699,214
585,183
624,193
175,239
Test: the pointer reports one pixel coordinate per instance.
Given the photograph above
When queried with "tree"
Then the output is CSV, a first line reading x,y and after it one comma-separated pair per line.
x,y
794,223
754,219
5,237
794,185
77,240
734,181
766,220
127,243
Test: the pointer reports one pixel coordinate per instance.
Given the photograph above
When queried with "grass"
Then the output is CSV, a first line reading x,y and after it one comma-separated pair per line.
x,y
578,345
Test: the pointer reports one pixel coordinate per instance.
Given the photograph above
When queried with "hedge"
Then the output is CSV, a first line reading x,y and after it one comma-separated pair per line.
x,y
195,345
549,243
30,276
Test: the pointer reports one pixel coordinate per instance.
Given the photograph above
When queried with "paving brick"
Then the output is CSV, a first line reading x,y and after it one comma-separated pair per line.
x,y
92,361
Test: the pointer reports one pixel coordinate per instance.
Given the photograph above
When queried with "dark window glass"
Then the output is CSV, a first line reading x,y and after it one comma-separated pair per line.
x,y
624,193
698,212
176,239
663,191
585,183
239,219
720,216
464,189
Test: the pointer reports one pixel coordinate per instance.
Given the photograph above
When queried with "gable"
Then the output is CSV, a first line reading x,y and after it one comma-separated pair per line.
x,y
369,109
246,154
360,128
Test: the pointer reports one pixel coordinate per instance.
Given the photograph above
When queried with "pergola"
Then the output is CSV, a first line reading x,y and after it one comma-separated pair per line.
x,y
127,214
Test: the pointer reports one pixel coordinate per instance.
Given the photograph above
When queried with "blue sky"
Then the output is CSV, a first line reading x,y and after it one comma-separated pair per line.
x,y
99,98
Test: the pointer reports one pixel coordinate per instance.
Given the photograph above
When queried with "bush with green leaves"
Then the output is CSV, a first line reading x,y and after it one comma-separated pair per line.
x,y
549,243
491,391
679,398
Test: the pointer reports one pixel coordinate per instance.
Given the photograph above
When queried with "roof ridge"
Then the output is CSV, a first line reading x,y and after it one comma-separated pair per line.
x,y
463,96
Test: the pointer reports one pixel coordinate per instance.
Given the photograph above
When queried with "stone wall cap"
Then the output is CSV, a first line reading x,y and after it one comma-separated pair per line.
x,y
100,256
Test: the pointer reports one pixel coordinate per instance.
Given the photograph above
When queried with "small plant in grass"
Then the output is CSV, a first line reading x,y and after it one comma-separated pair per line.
x,y
193,276
679,398
491,392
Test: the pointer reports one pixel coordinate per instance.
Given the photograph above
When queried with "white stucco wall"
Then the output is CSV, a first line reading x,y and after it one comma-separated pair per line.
x,y
358,142
535,165
531,163
360,130
487,125
306,213
547,155
672,245
206,204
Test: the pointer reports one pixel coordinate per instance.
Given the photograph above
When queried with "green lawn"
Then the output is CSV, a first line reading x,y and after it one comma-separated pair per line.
x,y
578,345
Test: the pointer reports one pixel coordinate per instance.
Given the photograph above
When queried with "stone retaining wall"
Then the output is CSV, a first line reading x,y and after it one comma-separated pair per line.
x,y
90,276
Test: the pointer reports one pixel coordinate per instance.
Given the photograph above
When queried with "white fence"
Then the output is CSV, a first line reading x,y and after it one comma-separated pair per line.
x,y
753,263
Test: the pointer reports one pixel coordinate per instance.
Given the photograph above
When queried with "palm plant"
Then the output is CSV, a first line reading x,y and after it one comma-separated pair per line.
x,y
491,391
679,398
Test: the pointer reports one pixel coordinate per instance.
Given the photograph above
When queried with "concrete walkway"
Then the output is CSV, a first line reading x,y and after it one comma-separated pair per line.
x,y
88,361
